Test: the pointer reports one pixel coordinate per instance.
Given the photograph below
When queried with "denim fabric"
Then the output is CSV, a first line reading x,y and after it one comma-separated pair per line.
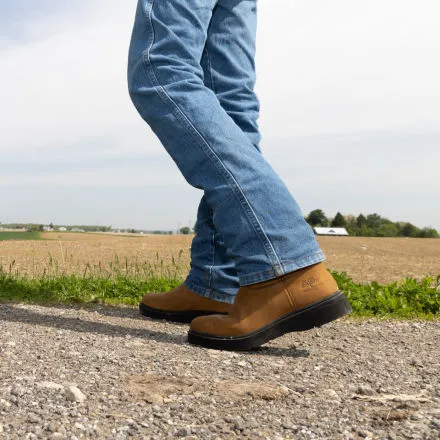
x,y
191,77
229,70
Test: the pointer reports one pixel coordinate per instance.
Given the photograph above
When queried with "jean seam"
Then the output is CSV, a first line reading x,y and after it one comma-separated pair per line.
x,y
208,293
207,149
209,68
211,271
148,12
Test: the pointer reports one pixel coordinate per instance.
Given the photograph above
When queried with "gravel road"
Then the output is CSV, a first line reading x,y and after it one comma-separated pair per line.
x,y
107,373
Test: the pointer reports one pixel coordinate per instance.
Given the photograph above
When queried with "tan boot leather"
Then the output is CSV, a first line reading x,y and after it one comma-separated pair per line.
x,y
179,305
297,301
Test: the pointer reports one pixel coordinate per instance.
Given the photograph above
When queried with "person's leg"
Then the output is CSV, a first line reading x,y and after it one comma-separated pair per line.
x,y
213,274
261,224
229,71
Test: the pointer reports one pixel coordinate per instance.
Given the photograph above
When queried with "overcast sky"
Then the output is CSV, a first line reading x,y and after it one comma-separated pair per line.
x,y
350,113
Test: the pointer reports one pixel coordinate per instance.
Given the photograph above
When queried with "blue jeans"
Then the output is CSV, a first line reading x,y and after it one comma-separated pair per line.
x,y
191,77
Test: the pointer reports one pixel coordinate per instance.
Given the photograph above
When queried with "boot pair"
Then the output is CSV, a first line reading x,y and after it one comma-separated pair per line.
x,y
261,312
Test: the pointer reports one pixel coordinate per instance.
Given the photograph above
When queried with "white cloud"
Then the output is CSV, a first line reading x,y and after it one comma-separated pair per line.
x,y
325,69
107,176
68,86
344,66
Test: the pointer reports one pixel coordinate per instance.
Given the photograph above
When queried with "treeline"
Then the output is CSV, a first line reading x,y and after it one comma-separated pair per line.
x,y
33,227
371,225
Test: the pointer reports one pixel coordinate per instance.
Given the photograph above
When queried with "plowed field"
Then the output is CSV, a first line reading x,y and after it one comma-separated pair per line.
x,y
365,259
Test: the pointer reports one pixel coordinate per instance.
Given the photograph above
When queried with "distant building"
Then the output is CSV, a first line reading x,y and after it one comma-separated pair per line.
x,y
331,231
47,228
77,230
62,229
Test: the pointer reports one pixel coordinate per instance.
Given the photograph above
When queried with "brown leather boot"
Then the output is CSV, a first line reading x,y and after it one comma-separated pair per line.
x,y
180,305
297,301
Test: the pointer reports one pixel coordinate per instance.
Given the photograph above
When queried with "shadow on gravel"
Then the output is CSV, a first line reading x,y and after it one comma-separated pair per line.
x,y
8,312
292,352
13,314
126,312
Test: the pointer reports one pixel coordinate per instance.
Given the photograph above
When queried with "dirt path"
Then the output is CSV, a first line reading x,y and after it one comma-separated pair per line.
x,y
106,373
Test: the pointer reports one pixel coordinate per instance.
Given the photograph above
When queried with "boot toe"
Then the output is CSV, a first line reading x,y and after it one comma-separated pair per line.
x,y
152,300
209,324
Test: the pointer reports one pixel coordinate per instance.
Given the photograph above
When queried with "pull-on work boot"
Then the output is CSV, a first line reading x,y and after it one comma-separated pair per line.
x,y
297,301
180,305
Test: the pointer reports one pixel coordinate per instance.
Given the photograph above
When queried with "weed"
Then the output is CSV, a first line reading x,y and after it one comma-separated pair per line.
x,y
407,299
125,282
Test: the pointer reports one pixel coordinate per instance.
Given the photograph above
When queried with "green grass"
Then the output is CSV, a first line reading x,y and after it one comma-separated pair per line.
x,y
407,299
72,289
6,235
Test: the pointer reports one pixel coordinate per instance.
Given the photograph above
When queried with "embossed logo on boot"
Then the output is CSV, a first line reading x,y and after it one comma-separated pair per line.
x,y
311,282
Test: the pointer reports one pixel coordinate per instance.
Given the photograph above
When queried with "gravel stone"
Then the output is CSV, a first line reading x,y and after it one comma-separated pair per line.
x,y
18,391
51,386
183,432
33,418
365,390
353,379
74,394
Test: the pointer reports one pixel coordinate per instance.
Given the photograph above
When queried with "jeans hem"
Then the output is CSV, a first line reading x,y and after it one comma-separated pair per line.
x,y
209,293
285,268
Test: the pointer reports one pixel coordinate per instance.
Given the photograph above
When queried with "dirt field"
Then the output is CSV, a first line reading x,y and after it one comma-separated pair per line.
x,y
365,259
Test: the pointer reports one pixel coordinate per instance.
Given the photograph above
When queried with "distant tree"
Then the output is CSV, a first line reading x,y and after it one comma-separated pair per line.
x,y
428,233
317,218
361,221
41,228
387,230
185,230
338,221
373,221
409,230
51,225
350,224
350,220
399,226
365,231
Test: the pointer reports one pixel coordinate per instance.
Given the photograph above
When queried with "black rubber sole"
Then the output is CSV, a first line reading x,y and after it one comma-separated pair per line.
x,y
178,316
315,315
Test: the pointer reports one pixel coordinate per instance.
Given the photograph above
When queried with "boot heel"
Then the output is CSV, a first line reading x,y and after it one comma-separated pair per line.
x,y
328,309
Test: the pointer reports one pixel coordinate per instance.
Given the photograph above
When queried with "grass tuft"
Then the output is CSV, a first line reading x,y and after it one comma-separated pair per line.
x,y
72,289
409,298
